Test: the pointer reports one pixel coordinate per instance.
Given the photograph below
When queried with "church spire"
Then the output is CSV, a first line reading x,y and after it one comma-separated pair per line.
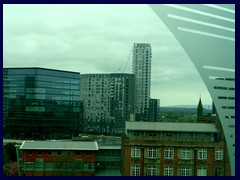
x,y
200,108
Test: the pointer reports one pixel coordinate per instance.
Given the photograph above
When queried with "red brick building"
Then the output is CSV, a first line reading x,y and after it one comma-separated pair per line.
x,y
173,149
57,158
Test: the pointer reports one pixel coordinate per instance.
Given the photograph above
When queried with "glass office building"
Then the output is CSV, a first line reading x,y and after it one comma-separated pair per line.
x,y
40,103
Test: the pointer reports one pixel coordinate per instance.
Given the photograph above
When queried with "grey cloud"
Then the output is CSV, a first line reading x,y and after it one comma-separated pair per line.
x,y
97,39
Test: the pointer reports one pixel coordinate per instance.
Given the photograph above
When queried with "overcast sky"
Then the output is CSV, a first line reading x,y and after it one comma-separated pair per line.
x,y
98,39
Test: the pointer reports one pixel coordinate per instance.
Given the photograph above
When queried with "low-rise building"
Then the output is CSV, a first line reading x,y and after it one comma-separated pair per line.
x,y
83,156
108,160
57,158
173,149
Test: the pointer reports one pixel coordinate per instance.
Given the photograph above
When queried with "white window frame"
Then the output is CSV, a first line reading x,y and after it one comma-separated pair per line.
x,y
169,153
135,170
202,154
185,171
135,152
185,153
152,152
201,171
219,154
151,171
168,171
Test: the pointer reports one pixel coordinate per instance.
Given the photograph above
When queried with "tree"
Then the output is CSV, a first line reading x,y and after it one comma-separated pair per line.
x,y
12,169
5,162
11,151
5,156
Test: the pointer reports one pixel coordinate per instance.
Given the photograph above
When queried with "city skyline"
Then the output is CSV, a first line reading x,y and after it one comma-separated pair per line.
x,y
98,39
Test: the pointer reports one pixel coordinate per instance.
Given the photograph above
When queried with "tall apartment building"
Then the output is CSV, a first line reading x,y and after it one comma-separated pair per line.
x,y
142,55
40,103
174,149
108,102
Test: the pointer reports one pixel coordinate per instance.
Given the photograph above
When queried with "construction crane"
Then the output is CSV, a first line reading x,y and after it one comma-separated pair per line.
x,y
124,69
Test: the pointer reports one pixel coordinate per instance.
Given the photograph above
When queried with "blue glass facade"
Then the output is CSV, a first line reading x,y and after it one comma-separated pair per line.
x,y
41,103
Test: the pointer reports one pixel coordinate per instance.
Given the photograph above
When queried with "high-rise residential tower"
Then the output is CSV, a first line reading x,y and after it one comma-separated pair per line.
x,y
142,55
108,102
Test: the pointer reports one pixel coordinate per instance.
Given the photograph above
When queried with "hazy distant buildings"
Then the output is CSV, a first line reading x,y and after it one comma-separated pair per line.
x,y
142,55
40,103
108,102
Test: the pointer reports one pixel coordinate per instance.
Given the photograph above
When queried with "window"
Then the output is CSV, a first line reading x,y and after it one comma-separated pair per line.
x,y
49,165
201,135
219,154
78,164
135,152
202,154
219,171
169,134
58,165
59,153
136,133
184,171
185,135
152,134
152,152
78,153
29,165
168,153
168,171
39,153
90,166
201,171
185,153
49,153
135,170
151,171
29,153
66,153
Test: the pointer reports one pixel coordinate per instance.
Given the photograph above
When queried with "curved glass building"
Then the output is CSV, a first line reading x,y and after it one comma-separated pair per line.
x,y
207,34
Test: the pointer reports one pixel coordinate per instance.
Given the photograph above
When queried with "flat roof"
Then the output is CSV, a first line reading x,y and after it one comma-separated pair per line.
x,y
59,70
59,145
113,147
164,126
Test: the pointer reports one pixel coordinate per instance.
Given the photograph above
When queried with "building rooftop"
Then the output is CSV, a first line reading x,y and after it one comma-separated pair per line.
x,y
20,68
105,146
59,145
178,127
